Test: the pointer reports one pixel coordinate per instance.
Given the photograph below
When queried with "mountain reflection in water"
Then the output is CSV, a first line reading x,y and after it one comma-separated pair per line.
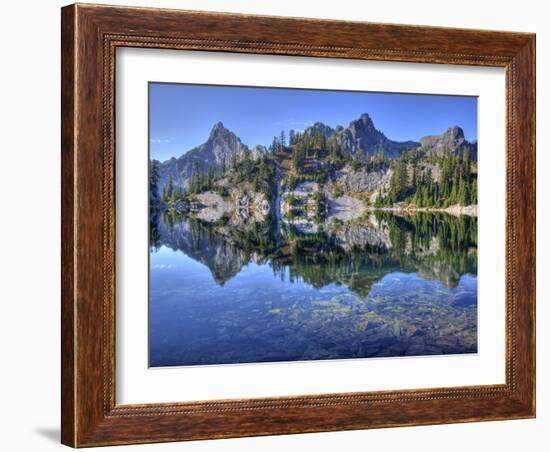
x,y
387,285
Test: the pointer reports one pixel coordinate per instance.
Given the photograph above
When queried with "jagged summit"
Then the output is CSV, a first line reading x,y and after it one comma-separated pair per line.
x,y
220,132
455,131
360,137
220,147
217,128
452,140
365,119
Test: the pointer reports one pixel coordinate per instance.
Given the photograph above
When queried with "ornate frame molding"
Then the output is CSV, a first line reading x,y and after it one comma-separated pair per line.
x,y
90,37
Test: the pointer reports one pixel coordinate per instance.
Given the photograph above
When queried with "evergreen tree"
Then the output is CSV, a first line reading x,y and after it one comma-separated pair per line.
x,y
426,201
463,193
234,162
378,202
282,139
453,196
275,145
195,183
154,176
467,164
210,177
168,190
298,158
262,169
398,181
414,178
292,137
473,192
246,164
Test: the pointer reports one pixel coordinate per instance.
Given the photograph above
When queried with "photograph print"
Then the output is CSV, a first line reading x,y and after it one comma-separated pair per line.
x,y
297,224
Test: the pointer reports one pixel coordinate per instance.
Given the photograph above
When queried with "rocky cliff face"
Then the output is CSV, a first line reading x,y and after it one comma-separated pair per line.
x,y
362,136
241,206
362,180
219,149
452,140
359,137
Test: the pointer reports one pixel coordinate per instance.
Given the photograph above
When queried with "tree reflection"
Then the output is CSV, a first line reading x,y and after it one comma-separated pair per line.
x,y
356,254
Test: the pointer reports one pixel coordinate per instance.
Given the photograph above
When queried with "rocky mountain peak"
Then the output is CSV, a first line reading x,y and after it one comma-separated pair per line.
x,y
325,130
454,132
364,123
452,140
366,120
218,130
362,136
220,147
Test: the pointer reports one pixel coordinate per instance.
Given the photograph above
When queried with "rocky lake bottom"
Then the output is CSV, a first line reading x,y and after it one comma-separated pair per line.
x,y
390,286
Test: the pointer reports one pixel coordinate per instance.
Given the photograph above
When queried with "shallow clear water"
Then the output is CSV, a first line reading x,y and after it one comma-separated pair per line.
x,y
385,288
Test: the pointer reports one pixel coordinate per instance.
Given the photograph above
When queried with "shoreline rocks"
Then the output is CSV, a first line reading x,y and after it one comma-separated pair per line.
x,y
456,209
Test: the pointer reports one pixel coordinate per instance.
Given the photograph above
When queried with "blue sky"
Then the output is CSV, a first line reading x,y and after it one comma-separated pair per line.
x,y
181,116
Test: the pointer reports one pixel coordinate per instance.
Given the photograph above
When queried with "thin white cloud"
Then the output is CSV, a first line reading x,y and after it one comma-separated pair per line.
x,y
159,140
294,124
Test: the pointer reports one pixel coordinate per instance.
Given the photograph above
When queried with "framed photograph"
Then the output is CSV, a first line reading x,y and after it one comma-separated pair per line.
x,y
281,225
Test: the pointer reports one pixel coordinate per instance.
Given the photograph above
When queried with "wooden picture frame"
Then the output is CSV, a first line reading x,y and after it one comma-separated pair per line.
x,y
90,36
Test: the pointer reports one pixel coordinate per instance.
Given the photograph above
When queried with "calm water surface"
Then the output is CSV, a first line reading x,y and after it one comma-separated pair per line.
x,y
385,286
